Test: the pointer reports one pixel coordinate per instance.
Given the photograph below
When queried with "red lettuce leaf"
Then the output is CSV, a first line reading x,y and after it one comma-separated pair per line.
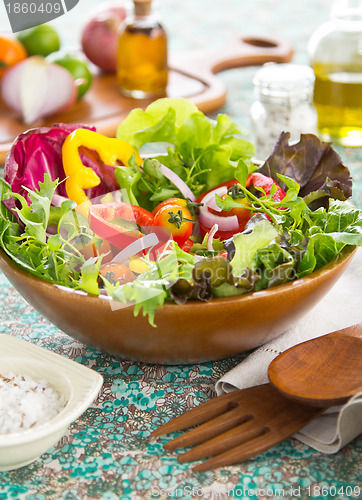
x,y
314,164
39,150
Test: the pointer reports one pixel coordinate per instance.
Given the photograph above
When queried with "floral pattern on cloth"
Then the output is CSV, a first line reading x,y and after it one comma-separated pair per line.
x,y
108,454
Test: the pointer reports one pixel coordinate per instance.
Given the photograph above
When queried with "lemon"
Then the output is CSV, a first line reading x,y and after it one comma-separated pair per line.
x,y
40,40
77,67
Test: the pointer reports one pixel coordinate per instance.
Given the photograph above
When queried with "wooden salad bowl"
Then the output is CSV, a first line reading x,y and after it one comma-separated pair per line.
x,y
190,333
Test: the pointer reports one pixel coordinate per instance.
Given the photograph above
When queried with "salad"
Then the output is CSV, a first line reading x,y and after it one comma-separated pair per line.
x,y
195,221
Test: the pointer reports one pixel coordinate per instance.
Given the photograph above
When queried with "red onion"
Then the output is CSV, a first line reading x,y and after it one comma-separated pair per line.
x,y
212,203
99,36
147,241
178,182
210,237
208,219
35,88
57,200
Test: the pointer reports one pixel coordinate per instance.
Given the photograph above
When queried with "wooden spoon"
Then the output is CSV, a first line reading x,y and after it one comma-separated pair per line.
x,y
321,372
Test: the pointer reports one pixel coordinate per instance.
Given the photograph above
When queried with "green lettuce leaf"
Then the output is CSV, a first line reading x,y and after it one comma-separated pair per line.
x,y
247,245
89,275
160,121
275,265
308,262
203,152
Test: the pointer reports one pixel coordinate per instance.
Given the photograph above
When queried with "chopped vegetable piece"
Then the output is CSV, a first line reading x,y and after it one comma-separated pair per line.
x,y
234,215
117,273
119,223
266,185
176,219
80,177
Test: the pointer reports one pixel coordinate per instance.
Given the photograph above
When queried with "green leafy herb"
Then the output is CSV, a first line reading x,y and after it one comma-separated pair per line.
x,y
29,245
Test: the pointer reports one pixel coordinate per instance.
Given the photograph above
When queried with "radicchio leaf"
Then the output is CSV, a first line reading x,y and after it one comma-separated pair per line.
x,y
314,164
39,150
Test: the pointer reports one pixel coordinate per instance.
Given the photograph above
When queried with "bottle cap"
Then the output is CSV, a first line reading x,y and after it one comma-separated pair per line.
x,y
348,10
142,7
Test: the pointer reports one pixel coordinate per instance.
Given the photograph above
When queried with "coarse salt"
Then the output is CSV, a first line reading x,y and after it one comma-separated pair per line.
x,y
26,403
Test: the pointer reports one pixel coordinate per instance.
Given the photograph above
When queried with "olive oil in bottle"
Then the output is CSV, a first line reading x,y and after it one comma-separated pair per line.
x,y
142,54
336,57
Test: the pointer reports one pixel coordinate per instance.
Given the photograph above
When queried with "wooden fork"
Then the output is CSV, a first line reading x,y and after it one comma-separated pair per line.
x,y
237,426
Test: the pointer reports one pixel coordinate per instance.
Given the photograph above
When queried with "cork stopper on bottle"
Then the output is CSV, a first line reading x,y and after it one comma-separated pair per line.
x,y
142,7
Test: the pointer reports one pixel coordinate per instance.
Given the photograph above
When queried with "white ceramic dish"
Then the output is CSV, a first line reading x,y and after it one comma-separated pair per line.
x,y
79,385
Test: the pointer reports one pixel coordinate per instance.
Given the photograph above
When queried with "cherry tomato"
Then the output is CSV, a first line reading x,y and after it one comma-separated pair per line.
x,y
187,245
171,201
11,52
243,214
176,219
118,222
266,183
224,254
115,272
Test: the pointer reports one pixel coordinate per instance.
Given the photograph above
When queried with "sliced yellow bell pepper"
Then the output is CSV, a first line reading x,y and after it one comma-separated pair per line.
x,y
138,265
80,177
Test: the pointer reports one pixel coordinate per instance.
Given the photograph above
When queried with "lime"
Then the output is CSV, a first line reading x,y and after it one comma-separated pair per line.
x,y
40,40
77,67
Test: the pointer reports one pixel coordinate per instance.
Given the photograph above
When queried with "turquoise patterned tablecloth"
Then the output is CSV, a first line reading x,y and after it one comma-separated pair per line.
x,y
107,453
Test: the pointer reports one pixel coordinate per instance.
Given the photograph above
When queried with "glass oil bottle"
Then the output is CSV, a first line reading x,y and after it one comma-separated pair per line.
x,y
142,54
335,51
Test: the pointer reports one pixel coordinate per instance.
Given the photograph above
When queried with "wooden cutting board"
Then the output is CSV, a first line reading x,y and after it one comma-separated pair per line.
x,y
192,75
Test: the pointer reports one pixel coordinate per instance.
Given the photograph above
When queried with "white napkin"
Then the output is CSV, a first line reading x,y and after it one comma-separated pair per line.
x,y
341,307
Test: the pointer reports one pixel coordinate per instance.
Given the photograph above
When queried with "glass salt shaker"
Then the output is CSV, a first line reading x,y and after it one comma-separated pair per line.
x,y
283,103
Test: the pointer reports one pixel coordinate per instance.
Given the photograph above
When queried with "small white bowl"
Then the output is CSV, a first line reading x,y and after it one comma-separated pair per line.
x,y
78,384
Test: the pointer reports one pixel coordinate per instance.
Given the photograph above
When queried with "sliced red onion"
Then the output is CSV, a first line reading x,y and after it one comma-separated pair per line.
x,y
212,203
35,88
210,237
57,200
147,241
209,219
196,231
179,183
